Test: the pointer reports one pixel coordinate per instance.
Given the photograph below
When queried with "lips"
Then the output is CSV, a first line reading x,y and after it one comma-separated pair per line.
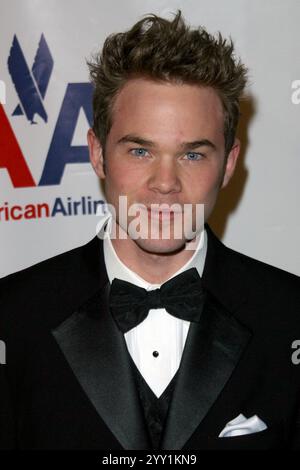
x,y
162,213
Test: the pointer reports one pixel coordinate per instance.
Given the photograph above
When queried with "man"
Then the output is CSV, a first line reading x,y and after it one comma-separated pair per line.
x,y
136,341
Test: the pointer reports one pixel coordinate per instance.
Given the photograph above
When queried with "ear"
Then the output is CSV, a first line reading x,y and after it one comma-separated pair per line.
x,y
231,162
96,153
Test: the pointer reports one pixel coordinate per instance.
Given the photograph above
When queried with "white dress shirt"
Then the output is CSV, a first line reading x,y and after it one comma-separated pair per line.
x,y
155,345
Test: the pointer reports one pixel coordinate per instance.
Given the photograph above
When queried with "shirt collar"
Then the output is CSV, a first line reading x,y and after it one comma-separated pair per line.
x,y
117,269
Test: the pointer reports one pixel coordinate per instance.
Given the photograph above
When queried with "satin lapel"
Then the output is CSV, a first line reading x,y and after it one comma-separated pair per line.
x,y
212,351
97,353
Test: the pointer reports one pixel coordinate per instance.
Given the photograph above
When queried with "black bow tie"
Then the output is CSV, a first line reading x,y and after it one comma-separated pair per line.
x,y
182,296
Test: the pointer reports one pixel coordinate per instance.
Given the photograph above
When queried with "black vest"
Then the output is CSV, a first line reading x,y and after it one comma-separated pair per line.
x,y
155,409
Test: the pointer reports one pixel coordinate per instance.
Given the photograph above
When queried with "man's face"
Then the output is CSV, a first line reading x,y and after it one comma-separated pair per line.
x,y
166,145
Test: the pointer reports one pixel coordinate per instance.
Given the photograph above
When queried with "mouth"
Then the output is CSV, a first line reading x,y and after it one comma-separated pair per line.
x,y
164,213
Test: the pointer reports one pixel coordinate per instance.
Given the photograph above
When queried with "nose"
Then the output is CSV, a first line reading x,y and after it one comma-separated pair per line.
x,y
165,178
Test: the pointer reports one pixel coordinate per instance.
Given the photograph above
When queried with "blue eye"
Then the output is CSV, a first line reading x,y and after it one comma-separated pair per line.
x,y
194,156
139,152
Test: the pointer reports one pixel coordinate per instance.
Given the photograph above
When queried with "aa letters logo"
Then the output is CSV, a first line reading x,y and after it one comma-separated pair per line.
x,y
31,85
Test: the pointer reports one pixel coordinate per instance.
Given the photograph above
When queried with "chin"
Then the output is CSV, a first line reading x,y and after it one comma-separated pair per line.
x,y
160,246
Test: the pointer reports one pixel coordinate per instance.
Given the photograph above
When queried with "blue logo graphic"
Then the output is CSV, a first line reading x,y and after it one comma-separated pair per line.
x,y
31,86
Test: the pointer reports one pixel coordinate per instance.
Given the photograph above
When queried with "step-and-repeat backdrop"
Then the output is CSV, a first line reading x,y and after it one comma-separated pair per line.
x,y
48,191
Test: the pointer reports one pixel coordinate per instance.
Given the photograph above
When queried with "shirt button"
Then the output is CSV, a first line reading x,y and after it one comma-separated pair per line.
x,y
155,353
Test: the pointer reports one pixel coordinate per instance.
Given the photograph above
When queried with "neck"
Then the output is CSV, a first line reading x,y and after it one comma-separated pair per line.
x,y
155,268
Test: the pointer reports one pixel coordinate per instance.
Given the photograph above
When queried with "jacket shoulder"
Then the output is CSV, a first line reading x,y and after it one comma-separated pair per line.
x,y
267,274
229,260
51,288
44,267
273,295
257,292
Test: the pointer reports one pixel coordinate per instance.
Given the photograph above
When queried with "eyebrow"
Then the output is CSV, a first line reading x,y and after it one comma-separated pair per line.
x,y
149,143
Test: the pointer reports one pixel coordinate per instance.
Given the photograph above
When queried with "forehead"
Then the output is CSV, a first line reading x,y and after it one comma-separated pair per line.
x,y
166,108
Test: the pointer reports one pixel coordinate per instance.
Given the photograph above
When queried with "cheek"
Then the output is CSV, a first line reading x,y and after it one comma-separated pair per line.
x,y
204,185
121,180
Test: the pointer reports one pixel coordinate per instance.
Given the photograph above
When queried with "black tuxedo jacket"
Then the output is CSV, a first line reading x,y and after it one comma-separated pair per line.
x,y
68,384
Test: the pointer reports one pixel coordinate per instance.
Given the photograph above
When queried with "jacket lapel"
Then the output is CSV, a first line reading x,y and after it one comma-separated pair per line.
x,y
213,347
97,353
212,351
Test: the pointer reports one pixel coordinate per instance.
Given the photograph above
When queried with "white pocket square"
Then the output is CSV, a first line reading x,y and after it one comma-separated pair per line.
x,y
241,425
